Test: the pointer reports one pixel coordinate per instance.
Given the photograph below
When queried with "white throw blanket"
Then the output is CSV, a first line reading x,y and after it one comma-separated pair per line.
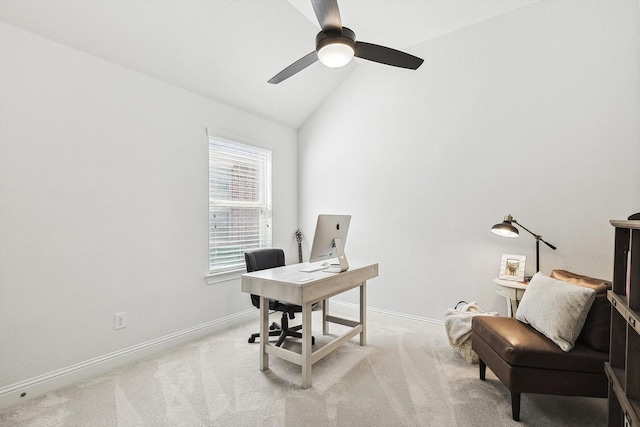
x,y
457,322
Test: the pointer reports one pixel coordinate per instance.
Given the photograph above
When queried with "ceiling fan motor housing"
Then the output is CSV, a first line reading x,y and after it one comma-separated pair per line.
x,y
346,36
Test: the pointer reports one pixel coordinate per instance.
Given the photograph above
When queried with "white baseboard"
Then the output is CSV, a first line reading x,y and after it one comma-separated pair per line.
x,y
354,308
37,386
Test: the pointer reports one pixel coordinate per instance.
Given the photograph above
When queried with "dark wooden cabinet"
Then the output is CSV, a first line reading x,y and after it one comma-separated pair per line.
x,y
623,368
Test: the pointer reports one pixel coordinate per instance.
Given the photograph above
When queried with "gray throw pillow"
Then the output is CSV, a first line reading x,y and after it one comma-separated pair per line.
x,y
556,309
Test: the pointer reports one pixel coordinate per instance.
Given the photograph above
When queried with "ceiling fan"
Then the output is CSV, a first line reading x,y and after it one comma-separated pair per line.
x,y
336,46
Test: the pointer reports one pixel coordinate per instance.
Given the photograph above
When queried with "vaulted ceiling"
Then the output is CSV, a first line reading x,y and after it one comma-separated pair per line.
x,y
228,49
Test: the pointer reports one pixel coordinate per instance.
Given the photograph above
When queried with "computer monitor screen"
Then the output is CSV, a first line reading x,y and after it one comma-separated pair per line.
x,y
328,229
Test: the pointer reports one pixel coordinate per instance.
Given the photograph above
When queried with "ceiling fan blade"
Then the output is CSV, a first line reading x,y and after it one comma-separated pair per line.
x,y
386,55
328,14
297,66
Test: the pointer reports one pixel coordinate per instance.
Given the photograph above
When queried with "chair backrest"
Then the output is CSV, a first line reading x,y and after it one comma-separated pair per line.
x,y
261,259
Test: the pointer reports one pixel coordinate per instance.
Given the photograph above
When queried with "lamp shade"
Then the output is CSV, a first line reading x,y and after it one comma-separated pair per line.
x,y
505,228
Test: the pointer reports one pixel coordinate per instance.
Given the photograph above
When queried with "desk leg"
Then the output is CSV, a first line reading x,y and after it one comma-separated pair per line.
x,y
306,345
325,313
264,333
363,313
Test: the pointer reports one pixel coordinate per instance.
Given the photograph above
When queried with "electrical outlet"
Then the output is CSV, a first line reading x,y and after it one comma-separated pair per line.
x,y
120,320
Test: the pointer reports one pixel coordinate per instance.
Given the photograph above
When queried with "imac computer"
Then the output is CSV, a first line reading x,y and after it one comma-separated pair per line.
x,y
327,250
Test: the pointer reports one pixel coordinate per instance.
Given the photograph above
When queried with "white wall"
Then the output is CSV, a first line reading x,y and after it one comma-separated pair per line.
x,y
103,203
103,197
534,113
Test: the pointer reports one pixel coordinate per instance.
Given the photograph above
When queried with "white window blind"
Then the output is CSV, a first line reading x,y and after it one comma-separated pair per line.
x,y
239,202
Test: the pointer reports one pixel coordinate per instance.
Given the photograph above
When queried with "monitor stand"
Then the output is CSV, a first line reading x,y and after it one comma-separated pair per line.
x,y
343,264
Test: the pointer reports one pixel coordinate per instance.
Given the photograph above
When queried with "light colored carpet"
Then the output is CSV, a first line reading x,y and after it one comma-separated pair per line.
x,y
407,375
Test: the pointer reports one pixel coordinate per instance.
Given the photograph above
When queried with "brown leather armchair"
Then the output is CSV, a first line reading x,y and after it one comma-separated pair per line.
x,y
526,361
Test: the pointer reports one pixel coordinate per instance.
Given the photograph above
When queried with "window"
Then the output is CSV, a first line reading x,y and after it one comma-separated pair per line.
x,y
239,202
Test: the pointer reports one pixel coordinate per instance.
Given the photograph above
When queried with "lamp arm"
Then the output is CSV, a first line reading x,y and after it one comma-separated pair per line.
x,y
548,244
527,230
537,236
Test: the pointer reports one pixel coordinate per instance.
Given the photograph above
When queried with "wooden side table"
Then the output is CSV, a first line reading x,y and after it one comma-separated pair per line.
x,y
512,291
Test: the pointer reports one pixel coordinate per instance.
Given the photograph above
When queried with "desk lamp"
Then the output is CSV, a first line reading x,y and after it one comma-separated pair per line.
x,y
506,229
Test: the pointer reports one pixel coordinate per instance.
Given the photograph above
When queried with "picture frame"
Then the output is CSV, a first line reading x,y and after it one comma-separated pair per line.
x,y
512,267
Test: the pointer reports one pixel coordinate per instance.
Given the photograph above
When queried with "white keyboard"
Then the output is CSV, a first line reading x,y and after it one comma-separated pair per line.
x,y
315,267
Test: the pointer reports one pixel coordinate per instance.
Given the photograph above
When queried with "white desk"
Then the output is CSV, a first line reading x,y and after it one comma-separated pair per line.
x,y
283,283
512,291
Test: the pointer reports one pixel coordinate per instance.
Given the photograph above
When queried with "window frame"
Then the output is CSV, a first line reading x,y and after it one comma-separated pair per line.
x,y
264,203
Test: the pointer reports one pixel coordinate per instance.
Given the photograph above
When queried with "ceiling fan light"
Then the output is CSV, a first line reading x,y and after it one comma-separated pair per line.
x,y
335,55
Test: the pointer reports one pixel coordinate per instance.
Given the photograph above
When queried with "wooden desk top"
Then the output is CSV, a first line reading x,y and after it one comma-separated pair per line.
x,y
290,284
